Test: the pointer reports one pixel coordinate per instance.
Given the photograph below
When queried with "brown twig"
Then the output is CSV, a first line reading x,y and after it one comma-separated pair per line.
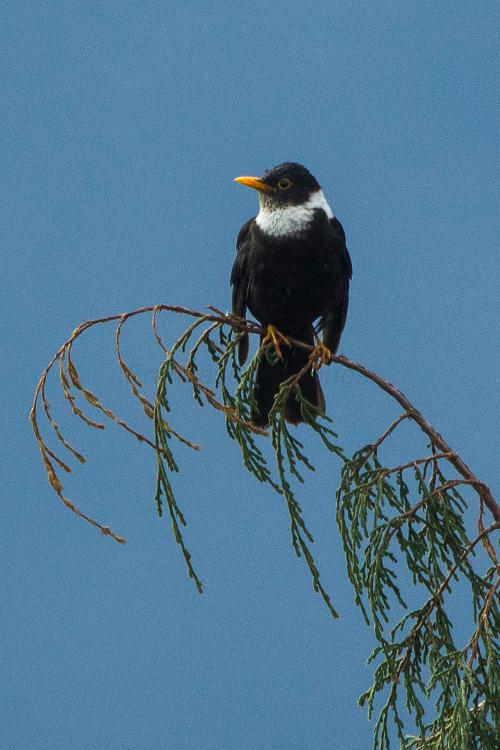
x,y
375,446
417,462
436,438
482,621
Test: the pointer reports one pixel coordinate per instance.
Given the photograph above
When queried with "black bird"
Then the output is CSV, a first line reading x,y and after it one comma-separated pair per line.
x,y
292,269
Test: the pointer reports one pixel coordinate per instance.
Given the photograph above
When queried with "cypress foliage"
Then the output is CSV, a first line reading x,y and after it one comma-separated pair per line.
x,y
403,522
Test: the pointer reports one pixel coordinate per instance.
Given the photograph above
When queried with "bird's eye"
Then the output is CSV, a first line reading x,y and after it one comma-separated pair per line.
x,y
284,184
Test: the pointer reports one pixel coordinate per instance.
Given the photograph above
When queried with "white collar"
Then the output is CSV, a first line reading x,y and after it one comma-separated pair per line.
x,y
276,221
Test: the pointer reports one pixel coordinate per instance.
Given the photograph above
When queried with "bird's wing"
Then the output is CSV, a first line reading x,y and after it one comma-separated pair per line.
x,y
239,282
333,319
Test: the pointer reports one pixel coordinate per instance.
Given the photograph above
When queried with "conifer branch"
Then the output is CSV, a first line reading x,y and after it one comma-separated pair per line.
x,y
406,519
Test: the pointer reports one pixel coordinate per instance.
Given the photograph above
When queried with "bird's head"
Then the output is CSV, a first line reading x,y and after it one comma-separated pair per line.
x,y
290,199
288,184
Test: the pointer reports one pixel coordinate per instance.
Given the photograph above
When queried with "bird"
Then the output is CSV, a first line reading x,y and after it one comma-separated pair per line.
x,y
292,272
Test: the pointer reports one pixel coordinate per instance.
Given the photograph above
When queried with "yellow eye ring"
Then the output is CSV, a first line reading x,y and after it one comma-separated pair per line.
x,y
284,184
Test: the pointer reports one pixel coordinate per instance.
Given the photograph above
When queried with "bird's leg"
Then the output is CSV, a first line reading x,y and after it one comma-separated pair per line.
x,y
320,355
274,337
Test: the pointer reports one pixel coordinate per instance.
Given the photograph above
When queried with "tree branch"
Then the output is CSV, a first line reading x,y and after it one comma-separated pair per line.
x,y
414,414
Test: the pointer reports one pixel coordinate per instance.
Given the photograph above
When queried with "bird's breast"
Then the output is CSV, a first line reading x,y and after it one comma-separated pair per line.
x,y
289,281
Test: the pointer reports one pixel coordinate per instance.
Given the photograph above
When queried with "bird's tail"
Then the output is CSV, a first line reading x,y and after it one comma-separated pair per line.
x,y
270,376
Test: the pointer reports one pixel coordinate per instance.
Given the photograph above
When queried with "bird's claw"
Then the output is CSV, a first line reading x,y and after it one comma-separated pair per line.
x,y
274,337
320,355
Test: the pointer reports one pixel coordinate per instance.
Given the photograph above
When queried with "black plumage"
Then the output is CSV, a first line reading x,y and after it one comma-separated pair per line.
x,y
292,271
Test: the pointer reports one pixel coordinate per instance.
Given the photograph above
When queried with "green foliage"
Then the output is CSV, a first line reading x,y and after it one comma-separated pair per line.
x,y
417,655
235,402
397,524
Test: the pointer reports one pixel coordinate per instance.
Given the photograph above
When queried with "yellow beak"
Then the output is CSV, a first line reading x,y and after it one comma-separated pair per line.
x,y
256,183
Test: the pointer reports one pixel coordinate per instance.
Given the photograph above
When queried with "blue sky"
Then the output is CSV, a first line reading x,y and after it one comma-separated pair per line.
x,y
124,126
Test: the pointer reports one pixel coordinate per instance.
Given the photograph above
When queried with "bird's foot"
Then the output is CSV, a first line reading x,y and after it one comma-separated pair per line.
x,y
274,337
320,355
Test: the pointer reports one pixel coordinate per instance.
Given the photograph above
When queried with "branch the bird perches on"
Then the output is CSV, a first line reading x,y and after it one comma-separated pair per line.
x,y
380,524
